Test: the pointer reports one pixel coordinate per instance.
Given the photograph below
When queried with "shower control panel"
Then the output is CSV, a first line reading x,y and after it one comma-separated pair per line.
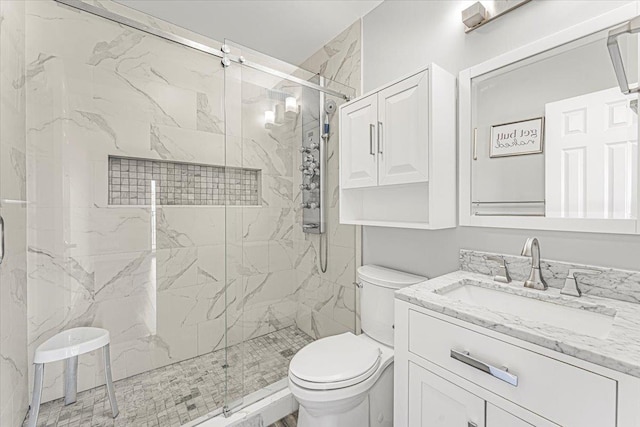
x,y
312,156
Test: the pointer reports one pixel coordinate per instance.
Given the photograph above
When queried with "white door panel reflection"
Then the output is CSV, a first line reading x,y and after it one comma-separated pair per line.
x,y
591,159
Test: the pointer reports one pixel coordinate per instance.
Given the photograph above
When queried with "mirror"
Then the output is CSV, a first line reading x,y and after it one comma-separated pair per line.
x,y
552,135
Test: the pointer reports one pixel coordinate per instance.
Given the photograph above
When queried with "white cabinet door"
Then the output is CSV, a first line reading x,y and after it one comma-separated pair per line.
x,y
403,127
497,417
435,402
358,159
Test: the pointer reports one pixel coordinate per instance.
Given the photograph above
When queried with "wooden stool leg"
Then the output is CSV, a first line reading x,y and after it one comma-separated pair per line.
x,y
71,380
37,394
107,373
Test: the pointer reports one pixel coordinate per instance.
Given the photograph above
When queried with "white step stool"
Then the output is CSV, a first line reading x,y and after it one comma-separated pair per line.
x,y
68,345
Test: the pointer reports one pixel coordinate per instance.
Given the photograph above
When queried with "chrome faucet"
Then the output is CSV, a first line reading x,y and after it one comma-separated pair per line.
x,y
535,281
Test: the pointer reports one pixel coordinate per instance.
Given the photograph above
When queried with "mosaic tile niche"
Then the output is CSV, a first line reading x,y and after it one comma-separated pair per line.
x,y
135,181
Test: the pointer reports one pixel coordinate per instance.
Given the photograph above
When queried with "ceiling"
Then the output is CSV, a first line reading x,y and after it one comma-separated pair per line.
x,y
290,30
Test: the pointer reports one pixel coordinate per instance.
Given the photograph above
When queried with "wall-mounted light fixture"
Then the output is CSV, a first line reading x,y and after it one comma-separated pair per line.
x,y
290,106
479,14
474,15
269,119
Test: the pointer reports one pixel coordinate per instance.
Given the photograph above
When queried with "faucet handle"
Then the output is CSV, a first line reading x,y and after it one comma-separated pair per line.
x,y
571,283
587,271
503,276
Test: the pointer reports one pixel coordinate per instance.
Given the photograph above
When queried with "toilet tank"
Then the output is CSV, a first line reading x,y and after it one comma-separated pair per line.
x,y
377,288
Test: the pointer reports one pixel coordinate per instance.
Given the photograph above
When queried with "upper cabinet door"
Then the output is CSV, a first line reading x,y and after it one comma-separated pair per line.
x,y
403,126
358,162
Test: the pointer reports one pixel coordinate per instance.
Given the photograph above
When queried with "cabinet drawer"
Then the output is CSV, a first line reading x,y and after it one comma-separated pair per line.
x,y
560,392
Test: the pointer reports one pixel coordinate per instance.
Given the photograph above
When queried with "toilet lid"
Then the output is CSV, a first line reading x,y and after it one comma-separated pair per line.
x,y
335,359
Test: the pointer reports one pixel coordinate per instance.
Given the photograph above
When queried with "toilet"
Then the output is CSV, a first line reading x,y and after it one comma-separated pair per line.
x,y
347,380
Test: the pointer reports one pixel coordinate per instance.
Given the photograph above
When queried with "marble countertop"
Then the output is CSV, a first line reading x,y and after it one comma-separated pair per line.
x,y
619,349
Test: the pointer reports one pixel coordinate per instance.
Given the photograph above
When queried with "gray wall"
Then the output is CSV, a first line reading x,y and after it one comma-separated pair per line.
x,y
403,36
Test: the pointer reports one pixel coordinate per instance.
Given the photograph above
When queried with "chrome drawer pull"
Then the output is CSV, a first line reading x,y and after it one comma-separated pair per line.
x,y
501,374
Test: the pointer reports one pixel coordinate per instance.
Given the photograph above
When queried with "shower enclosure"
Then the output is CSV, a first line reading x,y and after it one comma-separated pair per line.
x,y
166,203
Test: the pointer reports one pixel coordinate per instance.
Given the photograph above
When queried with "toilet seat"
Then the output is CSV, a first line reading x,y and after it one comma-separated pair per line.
x,y
335,362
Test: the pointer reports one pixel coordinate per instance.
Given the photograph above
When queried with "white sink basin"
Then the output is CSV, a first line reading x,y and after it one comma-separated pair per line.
x,y
583,318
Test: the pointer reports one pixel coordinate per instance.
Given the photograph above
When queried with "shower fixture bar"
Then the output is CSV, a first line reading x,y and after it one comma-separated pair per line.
x,y
103,13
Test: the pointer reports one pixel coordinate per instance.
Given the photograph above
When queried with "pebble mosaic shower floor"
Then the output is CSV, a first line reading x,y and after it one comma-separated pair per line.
x,y
179,393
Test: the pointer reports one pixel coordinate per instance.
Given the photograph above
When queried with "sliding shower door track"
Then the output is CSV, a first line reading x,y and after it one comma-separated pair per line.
x,y
123,20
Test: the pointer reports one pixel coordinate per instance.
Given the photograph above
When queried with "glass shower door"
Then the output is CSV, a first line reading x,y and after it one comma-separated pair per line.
x,y
272,265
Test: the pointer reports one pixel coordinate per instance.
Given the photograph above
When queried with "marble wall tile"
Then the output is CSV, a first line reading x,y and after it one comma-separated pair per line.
x,y
262,224
184,226
277,191
13,275
328,300
210,113
281,255
263,318
339,60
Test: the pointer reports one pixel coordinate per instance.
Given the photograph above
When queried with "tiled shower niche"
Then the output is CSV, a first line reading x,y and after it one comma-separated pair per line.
x,y
135,181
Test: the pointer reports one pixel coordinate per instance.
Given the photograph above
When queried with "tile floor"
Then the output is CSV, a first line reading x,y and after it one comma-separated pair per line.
x,y
179,393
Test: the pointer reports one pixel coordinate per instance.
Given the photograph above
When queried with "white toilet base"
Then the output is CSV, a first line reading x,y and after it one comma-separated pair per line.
x,y
374,408
356,417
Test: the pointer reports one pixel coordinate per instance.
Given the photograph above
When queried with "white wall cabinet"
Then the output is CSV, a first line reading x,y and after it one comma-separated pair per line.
x,y
358,125
398,154
433,388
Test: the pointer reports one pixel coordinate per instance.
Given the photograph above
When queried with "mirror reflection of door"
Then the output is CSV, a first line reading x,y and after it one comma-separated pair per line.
x,y
589,159
591,162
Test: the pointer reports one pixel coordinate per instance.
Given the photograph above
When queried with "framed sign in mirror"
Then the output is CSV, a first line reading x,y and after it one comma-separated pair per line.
x,y
567,158
517,138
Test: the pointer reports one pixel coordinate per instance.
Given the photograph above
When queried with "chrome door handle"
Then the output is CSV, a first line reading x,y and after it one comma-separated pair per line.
x,y
372,129
501,374
380,137
472,424
1,239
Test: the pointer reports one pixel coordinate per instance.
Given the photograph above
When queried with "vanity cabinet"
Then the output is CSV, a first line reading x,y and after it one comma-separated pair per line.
x,y
398,154
436,402
502,382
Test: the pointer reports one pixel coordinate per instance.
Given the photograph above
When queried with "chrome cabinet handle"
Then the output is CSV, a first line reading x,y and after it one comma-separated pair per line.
x,y
1,239
630,27
380,137
501,374
372,129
